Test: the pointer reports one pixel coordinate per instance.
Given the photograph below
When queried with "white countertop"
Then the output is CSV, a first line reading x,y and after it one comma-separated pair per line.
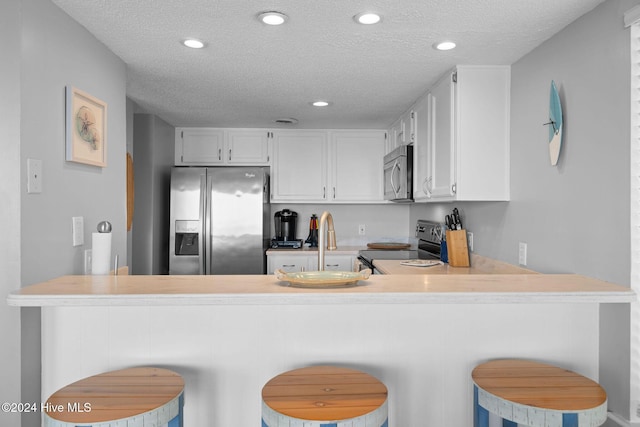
x,y
307,251
268,290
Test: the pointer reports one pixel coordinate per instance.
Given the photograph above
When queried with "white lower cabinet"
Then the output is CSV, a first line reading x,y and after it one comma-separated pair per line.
x,y
287,263
334,262
309,262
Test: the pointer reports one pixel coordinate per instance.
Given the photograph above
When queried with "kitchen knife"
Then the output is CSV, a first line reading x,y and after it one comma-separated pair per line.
x,y
448,219
456,219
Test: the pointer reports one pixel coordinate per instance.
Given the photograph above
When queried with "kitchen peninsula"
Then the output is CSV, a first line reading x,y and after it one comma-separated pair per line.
x,y
227,335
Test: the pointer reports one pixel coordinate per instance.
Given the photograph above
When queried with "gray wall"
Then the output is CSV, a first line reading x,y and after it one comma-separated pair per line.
x,y
10,211
56,52
575,216
153,157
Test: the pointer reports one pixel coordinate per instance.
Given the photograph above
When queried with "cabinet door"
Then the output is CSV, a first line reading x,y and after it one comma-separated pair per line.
x,y
203,146
442,178
394,139
338,262
299,171
287,263
200,146
333,262
356,163
421,150
247,147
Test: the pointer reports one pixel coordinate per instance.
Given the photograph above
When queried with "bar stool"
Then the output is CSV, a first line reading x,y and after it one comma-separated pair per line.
x,y
139,397
324,396
523,392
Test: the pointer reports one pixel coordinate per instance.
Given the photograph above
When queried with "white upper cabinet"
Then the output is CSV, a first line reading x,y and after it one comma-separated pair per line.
x,y
340,166
441,182
421,149
402,131
199,146
248,146
462,148
299,170
356,163
215,146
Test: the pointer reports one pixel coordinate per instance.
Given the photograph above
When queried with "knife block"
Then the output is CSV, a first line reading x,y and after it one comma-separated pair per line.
x,y
457,249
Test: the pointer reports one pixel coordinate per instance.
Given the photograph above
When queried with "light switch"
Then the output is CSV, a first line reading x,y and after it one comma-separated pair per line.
x,y
77,230
34,176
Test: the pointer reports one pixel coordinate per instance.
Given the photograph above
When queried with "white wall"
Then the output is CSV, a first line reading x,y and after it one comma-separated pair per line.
x,y
10,212
383,222
575,216
56,52
153,157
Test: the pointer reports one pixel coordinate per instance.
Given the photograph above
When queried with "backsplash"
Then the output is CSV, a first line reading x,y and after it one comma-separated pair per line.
x,y
383,222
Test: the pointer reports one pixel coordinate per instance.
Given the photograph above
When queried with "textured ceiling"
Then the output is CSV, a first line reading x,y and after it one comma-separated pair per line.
x,y
251,74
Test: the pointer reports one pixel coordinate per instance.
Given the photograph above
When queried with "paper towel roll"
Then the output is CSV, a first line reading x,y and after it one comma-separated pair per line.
x,y
100,253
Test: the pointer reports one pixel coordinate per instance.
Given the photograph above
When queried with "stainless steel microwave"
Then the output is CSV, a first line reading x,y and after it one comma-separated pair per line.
x,y
398,174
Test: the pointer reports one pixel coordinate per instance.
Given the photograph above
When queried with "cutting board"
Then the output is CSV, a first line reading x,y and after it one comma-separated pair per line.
x,y
388,245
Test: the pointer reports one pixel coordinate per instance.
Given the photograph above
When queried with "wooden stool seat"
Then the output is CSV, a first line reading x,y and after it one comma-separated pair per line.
x,y
137,397
324,396
529,393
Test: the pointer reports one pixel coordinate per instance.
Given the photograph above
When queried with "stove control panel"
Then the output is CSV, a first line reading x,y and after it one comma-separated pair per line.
x,y
429,231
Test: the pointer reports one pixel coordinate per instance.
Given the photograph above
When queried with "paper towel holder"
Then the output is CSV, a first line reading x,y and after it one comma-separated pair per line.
x,y
104,227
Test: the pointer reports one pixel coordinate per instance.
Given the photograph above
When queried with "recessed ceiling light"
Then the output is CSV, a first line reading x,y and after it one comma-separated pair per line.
x,y
320,103
193,43
272,18
444,45
367,18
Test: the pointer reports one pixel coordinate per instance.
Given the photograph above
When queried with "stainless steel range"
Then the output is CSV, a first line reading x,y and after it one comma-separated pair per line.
x,y
367,257
429,235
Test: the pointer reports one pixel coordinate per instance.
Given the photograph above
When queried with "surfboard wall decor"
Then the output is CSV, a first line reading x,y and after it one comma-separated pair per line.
x,y
555,125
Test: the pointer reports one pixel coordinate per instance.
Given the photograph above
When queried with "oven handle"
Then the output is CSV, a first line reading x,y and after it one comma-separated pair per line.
x,y
368,264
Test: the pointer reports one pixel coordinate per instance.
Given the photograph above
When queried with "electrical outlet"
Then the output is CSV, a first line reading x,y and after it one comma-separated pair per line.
x,y
470,240
362,229
522,253
34,176
77,230
87,261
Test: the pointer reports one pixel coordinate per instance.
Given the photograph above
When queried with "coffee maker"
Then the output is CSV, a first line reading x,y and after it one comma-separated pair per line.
x,y
285,222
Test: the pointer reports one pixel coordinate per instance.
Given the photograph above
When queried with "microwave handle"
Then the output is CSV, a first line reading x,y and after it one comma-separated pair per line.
x,y
393,169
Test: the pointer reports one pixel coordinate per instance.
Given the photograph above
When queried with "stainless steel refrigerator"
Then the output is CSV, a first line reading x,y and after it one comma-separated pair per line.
x,y
219,220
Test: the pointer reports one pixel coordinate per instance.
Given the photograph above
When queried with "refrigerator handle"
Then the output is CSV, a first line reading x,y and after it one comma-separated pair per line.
x,y
205,212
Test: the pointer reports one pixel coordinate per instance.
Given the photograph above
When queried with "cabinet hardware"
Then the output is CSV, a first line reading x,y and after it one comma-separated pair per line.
x,y
453,189
334,193
219,153
454,77
229,154
426,186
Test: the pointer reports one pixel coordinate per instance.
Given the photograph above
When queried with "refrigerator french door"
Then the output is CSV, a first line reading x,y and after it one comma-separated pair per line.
x,y
219,220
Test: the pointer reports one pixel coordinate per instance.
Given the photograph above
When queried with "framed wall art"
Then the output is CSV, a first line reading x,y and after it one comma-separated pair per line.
x,y
86,128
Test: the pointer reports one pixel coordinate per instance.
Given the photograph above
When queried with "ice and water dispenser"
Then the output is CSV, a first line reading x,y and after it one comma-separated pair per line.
x,y
187,242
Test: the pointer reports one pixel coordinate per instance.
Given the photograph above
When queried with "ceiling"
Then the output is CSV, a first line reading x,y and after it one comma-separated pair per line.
x,y
251,74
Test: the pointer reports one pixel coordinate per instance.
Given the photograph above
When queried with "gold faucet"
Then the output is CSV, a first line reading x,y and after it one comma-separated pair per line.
x,y
326,222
